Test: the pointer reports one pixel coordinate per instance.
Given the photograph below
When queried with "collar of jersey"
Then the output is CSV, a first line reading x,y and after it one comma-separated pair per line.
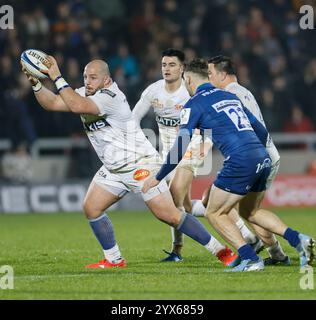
x,y
204,86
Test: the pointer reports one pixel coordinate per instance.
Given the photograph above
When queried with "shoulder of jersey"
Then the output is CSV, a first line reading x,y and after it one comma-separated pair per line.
x,y
158,85
108,92
184,89
238,89
154,87
203,93
81,91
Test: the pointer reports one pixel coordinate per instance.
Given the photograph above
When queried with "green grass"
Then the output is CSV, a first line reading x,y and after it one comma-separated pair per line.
x,y
48,254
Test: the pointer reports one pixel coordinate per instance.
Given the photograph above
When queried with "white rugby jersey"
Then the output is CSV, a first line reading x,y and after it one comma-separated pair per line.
x,y
167,107
114,133
251,104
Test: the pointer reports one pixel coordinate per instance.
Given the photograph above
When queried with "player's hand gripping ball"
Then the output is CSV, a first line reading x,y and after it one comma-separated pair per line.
x,y
36,63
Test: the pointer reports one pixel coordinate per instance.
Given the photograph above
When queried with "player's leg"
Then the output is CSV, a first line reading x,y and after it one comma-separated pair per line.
x,y
179,189
275,251
219,205
248,235
250,208
199,210
161,204
99,197
187,202
276,254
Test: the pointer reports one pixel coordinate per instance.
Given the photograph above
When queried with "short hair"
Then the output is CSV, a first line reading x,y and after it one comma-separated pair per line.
x,y
170,52
223,64
197,66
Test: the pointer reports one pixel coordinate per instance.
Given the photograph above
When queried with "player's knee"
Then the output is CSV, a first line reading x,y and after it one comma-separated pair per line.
x,y
171,218
90,211
175,220
250,216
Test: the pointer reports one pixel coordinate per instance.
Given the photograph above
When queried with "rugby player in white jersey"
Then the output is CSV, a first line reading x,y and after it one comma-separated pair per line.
x,y
167,97
222,75
127,156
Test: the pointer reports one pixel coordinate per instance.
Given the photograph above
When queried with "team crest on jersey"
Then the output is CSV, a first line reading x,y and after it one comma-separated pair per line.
x,y
156,104
185,116
141,174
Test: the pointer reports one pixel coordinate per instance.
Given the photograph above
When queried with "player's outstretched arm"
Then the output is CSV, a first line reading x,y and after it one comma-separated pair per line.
x,y
74,102
142,107
172,160
46,98
50,101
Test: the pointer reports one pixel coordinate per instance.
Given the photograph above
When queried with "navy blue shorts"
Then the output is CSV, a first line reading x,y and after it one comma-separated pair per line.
x,y
241,174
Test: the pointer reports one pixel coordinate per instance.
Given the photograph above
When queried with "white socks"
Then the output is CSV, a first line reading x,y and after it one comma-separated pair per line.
x,y
113,255
198,209
245,232
214,246
276,252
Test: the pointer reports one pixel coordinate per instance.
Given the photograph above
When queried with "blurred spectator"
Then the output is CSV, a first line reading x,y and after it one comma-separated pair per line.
x,y
16,121
274,58
269,110
16,165
107,10
127,63
311,169
298,122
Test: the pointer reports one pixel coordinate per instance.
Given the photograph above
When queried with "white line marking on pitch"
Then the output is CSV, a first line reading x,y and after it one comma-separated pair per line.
x,y
45,276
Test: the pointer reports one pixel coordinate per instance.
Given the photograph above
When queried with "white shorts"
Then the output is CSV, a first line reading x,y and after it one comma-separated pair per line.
x,y
194,157
273,173
131,178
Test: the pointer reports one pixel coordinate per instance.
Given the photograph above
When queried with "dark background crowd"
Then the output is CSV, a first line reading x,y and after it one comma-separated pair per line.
x,y
275,59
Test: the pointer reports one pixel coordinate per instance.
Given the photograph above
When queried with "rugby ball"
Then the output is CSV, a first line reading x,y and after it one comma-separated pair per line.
x,y
34,62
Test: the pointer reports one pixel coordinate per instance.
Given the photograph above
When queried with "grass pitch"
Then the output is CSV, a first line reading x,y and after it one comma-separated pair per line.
x,y
49,252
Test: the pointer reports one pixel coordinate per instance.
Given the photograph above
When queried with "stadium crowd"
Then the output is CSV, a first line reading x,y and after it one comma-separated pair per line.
x,y
275,59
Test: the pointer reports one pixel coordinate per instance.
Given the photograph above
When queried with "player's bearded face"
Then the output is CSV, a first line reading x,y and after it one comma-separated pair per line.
x,y
171,69
93,81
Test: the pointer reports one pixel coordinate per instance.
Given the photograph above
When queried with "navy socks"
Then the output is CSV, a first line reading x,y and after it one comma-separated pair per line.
x,y
292,237
192,227
103,230
246,252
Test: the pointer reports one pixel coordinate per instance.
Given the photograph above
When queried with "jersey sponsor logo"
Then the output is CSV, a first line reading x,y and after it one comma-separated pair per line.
x,y
141,174
234,111
167,121
185,116
265,164
188,155
221,105
101,173
97,125
109,92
